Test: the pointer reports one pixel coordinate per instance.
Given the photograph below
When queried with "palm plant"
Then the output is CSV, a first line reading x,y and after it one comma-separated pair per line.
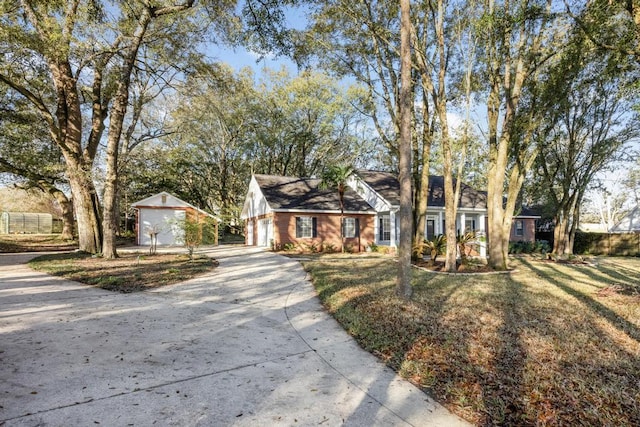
x,y
435,247
336,177
464,241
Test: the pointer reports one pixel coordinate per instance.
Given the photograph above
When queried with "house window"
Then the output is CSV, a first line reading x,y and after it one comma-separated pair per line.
x,y
385,228
350,227
469,225
519,227
306,227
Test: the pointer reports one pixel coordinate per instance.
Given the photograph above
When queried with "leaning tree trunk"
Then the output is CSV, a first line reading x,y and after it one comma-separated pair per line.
x,y
119,109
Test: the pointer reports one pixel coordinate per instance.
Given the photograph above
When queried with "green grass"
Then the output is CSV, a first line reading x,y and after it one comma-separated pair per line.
x,y
550,344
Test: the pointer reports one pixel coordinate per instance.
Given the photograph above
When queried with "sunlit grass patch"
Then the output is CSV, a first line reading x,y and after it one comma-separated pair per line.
x,y
35,242
128,273
543,346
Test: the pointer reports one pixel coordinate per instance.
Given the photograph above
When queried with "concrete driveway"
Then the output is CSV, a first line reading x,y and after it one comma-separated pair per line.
x,y
248,344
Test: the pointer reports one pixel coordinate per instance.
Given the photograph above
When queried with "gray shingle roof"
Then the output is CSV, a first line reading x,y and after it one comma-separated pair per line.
x,y
386,184
469,197
287,193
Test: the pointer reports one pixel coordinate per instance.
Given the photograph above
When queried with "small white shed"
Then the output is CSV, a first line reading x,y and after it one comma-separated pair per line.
x,y
163,215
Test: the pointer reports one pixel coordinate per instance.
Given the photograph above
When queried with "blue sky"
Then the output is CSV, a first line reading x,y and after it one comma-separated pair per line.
x,y
239,57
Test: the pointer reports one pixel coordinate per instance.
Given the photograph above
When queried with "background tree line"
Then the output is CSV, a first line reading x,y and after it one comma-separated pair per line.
x,y
224,127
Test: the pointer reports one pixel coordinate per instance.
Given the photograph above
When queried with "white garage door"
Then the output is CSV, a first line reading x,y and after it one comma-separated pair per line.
x,y
167,223
265,232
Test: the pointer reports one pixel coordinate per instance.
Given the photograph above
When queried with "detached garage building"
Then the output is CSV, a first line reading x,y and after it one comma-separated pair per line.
x,y
163,215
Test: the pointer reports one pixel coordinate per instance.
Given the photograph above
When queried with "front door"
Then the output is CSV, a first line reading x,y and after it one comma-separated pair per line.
x,y
431,228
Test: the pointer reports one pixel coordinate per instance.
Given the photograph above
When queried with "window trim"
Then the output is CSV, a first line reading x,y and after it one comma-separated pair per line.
x,y
383,231
519,228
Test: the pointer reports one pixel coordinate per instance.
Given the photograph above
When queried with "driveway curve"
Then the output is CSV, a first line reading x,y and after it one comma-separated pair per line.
x,y
248,344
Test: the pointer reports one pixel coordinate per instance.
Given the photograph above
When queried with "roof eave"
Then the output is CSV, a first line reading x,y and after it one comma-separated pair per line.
x,y
324,211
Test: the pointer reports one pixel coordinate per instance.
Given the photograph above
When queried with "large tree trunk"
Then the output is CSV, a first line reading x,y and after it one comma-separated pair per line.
x,y
403,288
450,199
509,67
450,213
85,203
78,165
495,231
67,218
421,209
560,234
565,226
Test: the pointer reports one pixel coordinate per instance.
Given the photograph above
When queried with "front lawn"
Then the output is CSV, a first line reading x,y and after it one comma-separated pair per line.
x,y
550,344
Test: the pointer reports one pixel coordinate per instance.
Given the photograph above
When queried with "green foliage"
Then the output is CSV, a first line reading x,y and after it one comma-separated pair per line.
x,y
192,237
577,137
209,228
335,177
26,151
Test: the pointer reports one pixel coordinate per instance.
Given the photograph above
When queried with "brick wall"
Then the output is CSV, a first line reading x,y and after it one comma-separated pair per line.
x,y
529,230
328,231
